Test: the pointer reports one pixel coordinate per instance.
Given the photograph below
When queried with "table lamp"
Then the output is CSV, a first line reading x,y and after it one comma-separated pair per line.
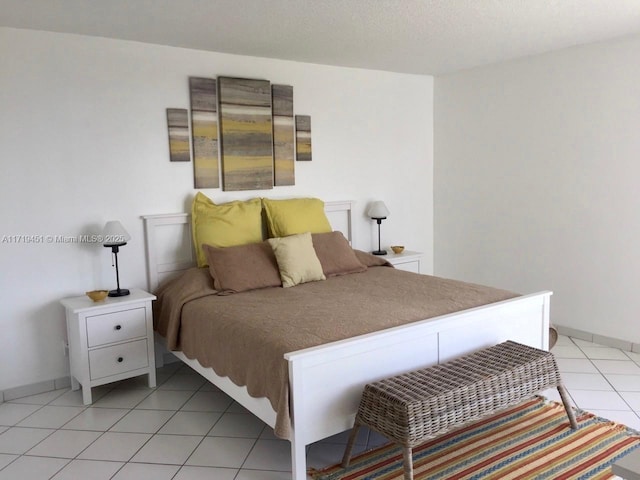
x,y
115,236
378,211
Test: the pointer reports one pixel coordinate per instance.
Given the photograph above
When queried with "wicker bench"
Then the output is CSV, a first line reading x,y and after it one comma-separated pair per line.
x,y
413,407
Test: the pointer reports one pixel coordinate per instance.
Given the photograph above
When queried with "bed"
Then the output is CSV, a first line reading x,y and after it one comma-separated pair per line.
x,y
324,381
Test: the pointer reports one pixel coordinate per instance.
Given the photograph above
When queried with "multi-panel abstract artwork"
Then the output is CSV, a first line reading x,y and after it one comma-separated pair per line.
x,y
242,130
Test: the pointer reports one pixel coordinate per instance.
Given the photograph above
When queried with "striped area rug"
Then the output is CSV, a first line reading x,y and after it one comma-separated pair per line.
x,y
531,441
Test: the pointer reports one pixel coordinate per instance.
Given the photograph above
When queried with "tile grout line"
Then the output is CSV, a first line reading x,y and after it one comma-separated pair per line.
x,y
247,457
606,379
156,389
588,359
203,437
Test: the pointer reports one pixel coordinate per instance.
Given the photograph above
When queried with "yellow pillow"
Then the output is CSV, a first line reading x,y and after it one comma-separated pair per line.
x,y
297,259
296,215
226,225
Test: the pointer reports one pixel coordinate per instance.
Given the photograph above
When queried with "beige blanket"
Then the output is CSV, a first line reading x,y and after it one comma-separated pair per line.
x,y
245,336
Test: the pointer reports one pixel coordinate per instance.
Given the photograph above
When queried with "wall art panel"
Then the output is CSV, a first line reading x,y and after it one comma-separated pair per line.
x,y
303,138
283,135
204,132
246,134
178,127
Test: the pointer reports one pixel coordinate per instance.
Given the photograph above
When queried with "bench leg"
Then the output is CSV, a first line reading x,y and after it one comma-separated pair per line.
x,y
567,406
347,451
408,463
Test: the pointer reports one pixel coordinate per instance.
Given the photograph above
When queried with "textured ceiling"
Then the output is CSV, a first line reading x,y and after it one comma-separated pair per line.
x,y
412,36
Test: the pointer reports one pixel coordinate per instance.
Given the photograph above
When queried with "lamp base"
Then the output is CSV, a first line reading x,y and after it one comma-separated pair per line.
x,y
375,252
121,292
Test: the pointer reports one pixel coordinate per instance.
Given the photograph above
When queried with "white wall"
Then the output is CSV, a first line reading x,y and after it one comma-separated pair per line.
x,y
83,140
537,181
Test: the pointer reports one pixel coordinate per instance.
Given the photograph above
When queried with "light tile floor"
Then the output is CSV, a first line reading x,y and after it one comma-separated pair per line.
x,y
186,429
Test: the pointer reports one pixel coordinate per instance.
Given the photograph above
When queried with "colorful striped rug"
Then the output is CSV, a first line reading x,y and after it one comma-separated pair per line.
x,y
531,441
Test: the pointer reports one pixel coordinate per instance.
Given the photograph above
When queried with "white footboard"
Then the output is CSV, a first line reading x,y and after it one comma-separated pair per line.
x,y
326,381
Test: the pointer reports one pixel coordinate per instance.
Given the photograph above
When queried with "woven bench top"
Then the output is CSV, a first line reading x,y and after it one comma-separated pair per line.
x,y
481,366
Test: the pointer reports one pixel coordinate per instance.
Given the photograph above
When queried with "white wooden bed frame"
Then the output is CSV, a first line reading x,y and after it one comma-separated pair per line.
x,y
326,381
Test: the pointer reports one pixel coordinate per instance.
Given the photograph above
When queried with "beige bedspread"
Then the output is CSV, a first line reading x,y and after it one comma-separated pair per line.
x,y
245,336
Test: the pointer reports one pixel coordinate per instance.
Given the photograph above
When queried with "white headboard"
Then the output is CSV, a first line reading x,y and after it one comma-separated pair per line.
x,y
170,248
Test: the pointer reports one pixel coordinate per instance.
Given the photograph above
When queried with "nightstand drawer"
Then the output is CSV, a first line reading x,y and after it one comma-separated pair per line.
x,y
116,326
409,266
121,358
407,260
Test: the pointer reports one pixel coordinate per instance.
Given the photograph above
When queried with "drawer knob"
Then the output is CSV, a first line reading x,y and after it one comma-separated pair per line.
x,y
118,327
120,359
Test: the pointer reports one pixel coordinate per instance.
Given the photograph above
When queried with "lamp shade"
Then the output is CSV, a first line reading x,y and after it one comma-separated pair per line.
x,y
114,234
378,210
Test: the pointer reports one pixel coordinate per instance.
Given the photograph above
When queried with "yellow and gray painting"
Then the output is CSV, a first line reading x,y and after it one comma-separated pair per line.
x,y
178,125
246,134
283,135
204,128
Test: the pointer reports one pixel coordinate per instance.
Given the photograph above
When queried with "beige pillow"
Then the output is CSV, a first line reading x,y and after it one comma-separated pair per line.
x,y
242,268
335,254
297,260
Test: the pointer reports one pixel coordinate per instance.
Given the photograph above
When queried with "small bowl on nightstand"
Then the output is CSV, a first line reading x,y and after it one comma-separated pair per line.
x,y
97,295
397,248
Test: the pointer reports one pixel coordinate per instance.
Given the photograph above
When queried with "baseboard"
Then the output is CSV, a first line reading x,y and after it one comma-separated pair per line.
x,y
34,388
600,339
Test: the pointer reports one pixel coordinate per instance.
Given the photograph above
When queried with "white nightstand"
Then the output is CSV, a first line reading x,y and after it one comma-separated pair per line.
x,y
407,260
109,340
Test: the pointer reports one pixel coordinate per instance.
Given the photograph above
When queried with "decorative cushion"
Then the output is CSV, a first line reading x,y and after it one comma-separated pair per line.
x,y
297,260
335,254
242,268
296,215
225,225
